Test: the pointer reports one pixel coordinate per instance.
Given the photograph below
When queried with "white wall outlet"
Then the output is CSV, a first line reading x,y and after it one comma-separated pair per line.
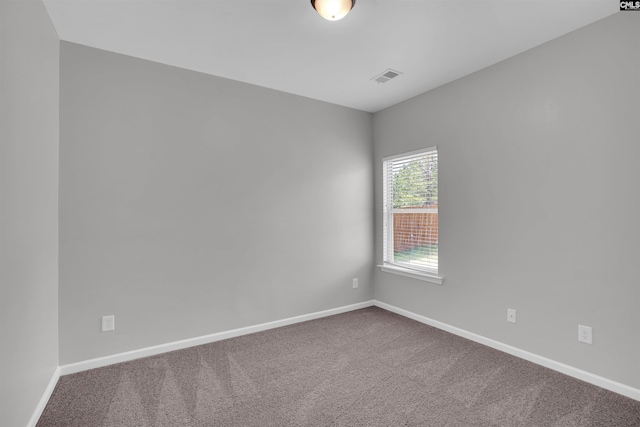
x,y
585,334
511,315
108,323
355,283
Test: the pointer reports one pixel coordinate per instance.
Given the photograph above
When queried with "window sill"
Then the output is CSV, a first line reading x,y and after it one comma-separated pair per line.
x,y
415,274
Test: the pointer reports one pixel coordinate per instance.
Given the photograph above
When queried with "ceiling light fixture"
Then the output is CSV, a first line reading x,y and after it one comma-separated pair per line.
x,y
333,10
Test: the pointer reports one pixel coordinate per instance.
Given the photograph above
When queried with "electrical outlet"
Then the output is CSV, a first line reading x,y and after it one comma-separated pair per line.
x,y
108,323
511,315
355,283
585,334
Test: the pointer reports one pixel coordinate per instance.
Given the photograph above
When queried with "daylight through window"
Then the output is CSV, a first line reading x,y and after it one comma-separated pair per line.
x,y
411,210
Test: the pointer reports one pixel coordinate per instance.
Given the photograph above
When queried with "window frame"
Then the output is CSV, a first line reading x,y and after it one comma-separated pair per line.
x,y
403,269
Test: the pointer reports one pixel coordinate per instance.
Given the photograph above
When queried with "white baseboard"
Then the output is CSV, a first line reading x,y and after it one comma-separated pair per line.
x,y
71,368
206,339
44,399
588,377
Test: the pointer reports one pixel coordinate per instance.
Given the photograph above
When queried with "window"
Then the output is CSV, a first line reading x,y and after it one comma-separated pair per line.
x,y
410,225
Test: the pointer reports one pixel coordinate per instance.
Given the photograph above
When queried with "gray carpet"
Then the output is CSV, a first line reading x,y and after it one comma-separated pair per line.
x,y
368,367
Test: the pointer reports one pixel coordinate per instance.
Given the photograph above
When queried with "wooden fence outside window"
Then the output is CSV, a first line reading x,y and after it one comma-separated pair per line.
x,y
413,227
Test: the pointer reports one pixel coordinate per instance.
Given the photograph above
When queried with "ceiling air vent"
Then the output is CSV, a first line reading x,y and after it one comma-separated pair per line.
x,y
386,75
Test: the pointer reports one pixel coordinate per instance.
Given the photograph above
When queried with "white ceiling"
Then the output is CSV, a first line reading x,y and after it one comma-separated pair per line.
x,y
286,45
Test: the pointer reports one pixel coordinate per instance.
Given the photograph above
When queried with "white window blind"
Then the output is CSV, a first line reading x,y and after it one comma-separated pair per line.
x,y
410,226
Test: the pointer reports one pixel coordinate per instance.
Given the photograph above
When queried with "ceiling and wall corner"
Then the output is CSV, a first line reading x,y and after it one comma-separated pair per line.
x,y
285,45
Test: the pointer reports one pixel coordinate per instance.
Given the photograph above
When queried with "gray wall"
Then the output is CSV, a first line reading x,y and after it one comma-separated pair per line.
x,y
539,198
29,208
192,204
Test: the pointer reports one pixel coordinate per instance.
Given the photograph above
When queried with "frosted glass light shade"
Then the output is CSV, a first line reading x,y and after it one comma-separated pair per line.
x,y
333,9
